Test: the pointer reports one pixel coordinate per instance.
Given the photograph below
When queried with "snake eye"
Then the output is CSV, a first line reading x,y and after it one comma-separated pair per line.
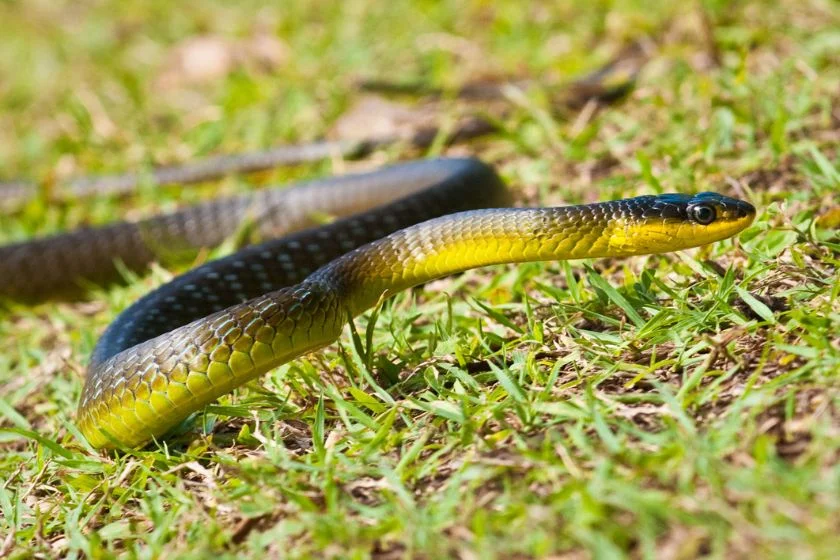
x,y
703,214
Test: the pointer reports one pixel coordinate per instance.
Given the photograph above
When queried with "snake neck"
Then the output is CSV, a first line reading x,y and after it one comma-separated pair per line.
x,y
459,242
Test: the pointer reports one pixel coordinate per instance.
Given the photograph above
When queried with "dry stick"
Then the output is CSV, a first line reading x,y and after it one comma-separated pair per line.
x,y
622,71
577,94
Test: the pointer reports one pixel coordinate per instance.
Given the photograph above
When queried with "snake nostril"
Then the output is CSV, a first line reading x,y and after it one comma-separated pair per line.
x,y
745,209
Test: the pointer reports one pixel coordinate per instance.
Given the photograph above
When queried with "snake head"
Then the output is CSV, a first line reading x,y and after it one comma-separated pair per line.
x,y
710,216
670,222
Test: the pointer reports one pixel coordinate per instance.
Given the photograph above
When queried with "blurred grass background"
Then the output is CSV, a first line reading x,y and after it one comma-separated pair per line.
x,y
670,406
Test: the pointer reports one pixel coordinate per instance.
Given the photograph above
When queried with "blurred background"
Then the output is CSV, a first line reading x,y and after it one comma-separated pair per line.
x,y
708,429
109,87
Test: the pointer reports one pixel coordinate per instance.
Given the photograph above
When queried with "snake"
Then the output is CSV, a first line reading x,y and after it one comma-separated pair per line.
x,y
229,321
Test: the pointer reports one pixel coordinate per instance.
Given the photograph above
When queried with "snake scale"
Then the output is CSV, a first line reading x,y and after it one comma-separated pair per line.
x,y
226,322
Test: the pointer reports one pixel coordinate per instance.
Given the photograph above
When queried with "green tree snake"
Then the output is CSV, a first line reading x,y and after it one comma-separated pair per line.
x,y
224,323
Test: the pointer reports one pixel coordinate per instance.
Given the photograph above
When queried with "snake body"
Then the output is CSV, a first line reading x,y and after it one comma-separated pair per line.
x,y
229,321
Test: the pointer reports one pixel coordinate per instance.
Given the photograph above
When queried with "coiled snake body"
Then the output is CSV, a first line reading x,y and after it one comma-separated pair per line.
x,y
229,321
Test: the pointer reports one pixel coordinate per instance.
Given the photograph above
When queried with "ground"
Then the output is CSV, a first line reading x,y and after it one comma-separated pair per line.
x,y
668,406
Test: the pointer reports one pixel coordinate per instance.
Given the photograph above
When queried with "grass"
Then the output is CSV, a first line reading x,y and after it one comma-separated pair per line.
x,y
668,406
